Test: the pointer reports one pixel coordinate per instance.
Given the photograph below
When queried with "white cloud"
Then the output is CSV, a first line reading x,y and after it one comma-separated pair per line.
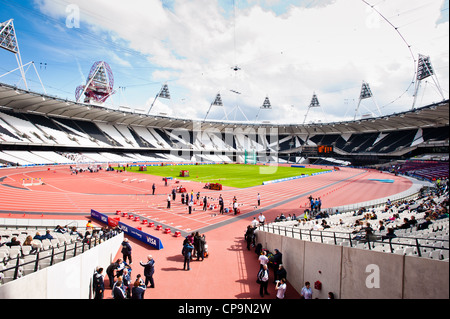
x,y
328,49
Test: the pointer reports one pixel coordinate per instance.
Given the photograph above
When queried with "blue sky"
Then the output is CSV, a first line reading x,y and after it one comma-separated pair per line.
x,y
286,50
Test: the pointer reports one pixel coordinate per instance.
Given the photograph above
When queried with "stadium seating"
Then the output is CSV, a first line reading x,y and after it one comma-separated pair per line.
x,y
34,129
51,251
432,242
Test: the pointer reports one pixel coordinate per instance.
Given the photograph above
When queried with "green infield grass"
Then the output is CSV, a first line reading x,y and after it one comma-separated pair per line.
x,y
233,175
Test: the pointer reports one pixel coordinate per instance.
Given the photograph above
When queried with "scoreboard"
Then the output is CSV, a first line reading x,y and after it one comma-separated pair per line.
x,y
317,150
324,149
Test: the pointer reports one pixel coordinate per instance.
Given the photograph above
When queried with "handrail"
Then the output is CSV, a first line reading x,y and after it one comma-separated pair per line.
x,y
67,247
290,231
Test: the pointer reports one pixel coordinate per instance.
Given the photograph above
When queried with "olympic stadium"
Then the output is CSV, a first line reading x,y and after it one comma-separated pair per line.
x,y
67,161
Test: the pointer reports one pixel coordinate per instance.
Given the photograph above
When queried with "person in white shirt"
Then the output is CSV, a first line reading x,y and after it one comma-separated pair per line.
x,y
235,207
317,226
254,223
263,259
261,219
191,204
281,288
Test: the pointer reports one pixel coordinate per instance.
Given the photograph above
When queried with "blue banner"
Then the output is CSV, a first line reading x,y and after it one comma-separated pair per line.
x,y
155,242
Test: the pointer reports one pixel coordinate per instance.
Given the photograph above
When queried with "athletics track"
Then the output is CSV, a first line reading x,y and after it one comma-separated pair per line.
x,y
230,270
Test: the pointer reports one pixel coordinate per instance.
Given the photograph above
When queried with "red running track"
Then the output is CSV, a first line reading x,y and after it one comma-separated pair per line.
x,y
230,270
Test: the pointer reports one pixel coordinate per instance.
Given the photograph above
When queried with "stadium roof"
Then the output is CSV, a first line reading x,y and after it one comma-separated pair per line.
x,y
19,100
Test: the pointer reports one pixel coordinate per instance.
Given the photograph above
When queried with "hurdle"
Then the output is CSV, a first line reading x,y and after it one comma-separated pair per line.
x,y
32,182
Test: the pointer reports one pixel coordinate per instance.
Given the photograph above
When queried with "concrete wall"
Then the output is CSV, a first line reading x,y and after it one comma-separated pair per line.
x,y
70,279
352,273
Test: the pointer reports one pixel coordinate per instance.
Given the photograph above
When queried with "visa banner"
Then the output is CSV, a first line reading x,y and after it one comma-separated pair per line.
x,y
130,231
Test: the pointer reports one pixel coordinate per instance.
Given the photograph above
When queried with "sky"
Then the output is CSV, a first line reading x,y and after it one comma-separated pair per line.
x,y
244,50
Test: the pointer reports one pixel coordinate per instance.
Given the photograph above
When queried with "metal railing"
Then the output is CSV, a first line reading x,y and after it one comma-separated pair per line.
x,y
51,256
355,238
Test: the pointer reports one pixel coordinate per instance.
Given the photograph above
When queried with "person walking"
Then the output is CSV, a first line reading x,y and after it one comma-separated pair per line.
x,y
168,201
153,189
259,199
149,270
205,203
263,280
126,251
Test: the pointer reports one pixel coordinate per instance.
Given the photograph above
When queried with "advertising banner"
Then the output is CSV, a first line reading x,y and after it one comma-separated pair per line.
x,y
130,231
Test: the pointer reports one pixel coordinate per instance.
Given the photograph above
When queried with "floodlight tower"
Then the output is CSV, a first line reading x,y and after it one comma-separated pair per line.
x,y
163,93
217,102
8,41
314,103
266,106
425,70
366,93
99,84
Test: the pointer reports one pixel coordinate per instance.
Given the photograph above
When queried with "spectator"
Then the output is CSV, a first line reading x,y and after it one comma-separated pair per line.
x,y
263,280
280,287
425,224
98,284
126,251
149,270
306,292
263,259
390,234
111,272
261,219
201,248
138,290
277,259
13,242
89,225
48,235
118,291
187,253
280,273
38,236
405,225
249,236
412,221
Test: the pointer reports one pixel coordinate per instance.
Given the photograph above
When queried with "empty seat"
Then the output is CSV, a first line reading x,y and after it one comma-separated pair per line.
x,y
435,254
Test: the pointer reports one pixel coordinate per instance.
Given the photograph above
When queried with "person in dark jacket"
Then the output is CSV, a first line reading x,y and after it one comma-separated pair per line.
x,y
126,251
187,253
98,284
119,290
149,270
138,290
280,273
13,242
277,259
110,272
